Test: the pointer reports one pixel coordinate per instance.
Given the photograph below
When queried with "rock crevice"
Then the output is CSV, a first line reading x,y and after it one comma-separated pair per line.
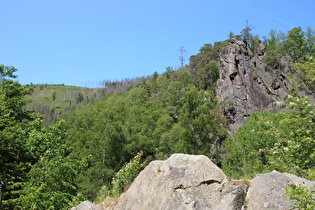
x,y
249,84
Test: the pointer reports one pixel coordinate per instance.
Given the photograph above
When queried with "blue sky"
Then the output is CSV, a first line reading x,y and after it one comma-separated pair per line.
x,y
82,42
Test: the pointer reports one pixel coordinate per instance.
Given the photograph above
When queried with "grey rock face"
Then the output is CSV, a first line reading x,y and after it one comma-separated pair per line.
x,y
248,84
260,48
182,182
266,190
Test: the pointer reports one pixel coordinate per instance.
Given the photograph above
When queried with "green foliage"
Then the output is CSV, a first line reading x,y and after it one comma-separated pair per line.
x,y
200,126
51,184
79,98
125,176
231,35
254,43
294,150
283,141
105,191
305,75
61,98
122,179
98,131
204,67
299,45
36,164
51,181
53,95
196,128
304,196
246,34
14,126
295,44
246,154
310,42
274,47
12,98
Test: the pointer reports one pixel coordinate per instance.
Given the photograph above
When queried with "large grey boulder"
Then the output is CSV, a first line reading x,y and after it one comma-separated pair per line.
x,y
266,190
182,182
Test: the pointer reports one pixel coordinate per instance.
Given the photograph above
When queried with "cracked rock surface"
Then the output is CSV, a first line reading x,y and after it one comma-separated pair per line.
x,y
182,182
249,84
194,182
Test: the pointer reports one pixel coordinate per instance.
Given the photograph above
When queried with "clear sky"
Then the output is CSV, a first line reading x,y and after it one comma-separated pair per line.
x,y
82,42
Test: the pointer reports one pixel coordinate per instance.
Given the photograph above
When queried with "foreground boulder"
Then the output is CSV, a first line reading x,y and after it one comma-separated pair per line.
x,y
266,190
194,182
182,182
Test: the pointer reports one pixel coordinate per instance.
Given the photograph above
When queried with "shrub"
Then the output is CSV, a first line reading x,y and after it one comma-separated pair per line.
x,y
303,195
125,176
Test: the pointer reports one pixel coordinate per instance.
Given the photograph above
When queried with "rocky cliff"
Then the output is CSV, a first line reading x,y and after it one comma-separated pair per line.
x,y
248,84
194,182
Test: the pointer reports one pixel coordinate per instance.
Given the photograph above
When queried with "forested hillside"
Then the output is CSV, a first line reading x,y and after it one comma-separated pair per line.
x,y
70,160
54,100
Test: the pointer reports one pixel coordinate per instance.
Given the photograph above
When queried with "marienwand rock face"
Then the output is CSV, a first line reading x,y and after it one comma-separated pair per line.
x,y
182,182
249,84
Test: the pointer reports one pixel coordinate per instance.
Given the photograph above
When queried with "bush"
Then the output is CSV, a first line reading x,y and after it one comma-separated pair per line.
x,y
283,141
125,176
122,179
303,195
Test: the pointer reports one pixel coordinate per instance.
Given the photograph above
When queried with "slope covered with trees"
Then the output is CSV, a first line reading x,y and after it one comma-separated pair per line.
x,y
54,100
181,118
70,160
36,165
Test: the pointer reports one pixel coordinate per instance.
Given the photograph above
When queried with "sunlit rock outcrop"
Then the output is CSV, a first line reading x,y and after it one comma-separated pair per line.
x,y
249,84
